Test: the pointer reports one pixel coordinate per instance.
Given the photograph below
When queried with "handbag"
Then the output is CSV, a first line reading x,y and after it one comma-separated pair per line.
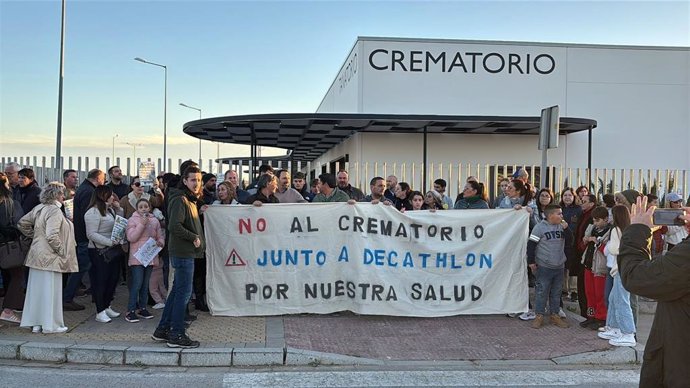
x,y
13,253
111,253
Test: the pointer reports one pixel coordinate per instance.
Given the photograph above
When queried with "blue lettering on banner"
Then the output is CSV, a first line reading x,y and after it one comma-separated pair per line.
x,y
343,255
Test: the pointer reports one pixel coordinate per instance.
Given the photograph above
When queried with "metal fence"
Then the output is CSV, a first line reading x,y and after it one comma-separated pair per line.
x,y
601,180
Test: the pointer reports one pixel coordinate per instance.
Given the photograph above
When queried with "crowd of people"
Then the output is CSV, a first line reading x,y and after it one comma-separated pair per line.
x,y
572,245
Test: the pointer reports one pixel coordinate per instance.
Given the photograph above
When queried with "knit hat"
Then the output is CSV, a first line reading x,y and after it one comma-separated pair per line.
x,y
207,177
631,195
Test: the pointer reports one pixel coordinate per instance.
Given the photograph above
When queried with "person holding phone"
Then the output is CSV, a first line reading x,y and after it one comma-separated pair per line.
x,y
667,280
675,233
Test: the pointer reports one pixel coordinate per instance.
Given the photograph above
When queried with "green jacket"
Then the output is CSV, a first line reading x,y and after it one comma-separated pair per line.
x,y
336,196
184,225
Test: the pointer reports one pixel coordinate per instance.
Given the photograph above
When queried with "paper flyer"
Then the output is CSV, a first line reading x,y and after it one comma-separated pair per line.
x,y
147,252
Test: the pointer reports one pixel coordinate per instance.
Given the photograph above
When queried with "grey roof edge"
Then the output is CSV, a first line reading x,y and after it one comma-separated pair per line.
x,y
375,116
519,43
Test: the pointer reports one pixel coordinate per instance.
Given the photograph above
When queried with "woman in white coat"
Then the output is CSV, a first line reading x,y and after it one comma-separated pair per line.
x,y
53,252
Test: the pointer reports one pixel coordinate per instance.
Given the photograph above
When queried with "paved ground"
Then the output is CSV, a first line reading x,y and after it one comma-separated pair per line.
x,y
493,337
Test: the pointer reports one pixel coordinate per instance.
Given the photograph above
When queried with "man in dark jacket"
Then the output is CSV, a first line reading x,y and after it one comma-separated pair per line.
x,y
186,243
82,198
667,280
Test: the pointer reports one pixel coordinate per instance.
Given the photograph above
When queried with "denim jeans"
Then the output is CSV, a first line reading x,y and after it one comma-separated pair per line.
x,y
178,297
74,279
607,289
620,314
139,286
548,288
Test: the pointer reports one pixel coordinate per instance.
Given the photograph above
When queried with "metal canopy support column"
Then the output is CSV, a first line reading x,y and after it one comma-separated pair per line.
x,y
254,168
589,157
424,162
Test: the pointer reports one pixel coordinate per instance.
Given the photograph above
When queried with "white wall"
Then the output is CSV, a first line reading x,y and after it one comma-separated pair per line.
x,y
344,95
637,95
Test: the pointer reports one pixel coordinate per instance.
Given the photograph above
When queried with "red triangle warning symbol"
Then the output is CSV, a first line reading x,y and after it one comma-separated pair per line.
x,y
234,260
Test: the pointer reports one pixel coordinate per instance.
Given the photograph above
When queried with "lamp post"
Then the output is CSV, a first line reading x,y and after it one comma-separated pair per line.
x,y
134,151
112,161
58,142
198,110
165,110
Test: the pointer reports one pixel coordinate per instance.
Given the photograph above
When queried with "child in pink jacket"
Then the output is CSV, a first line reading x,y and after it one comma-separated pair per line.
x,y
141,226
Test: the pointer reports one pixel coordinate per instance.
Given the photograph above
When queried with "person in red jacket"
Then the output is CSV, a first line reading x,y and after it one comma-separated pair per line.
x,y
589,202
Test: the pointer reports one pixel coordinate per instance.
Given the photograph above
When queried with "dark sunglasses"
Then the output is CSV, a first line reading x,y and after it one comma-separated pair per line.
x,y
137,184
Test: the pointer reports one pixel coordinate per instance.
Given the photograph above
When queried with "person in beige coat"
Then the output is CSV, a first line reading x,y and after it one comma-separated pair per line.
x,y
52,253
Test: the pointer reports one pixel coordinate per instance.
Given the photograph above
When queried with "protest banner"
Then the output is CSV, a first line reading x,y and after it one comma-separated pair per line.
x,y
369,259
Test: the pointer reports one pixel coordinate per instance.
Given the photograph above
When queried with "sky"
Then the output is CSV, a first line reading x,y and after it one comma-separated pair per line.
x,y
243,57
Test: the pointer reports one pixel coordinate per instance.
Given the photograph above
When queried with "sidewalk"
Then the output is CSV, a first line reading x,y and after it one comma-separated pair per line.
x,y
339,339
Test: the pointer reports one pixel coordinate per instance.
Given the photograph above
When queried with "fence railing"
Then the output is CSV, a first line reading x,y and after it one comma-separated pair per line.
x,y
601,180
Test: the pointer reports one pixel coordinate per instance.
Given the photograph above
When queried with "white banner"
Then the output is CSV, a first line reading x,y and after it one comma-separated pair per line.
x,y
369,259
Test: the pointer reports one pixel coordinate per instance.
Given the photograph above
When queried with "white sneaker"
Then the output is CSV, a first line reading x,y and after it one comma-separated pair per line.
x,y
624,340
610,334
61,329
36,329
159,306
103,317
111,313
528,316
604,328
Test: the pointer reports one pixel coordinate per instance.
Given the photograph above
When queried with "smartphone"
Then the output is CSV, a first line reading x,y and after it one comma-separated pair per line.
x,y
668,217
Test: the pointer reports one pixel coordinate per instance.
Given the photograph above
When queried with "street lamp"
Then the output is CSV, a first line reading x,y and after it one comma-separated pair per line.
x,y
112,161
199,110
134,151
165,110
58,142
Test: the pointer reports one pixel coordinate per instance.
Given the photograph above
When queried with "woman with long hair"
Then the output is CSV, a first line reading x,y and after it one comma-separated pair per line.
x,y
53,252
10,213
403,200
137,192
417,201
572,212
472,197
433,200
544,198
620,324
100,221
227,194
517,197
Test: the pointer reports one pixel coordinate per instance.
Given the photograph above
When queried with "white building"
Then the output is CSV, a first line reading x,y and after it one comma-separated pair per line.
x,y
638,95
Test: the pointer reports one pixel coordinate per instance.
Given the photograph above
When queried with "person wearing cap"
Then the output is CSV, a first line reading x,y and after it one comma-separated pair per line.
x,y
664,279
209,182
675,233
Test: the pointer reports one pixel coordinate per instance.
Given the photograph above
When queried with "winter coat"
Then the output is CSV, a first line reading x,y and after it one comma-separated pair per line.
x,y
138,234
53,247
29,196
99,228
667,280
129,202
184,225
475,202
10,213
82,198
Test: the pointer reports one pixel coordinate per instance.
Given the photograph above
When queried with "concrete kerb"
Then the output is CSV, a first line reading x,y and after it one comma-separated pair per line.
x,y
224,357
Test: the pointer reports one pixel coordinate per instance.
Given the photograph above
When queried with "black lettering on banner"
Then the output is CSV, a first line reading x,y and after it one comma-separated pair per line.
x,y
340,222
416,293
476,293
371,225
350,290
386,227
445,233
357,223
296,226
339,288
478,231
376,291
249,290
